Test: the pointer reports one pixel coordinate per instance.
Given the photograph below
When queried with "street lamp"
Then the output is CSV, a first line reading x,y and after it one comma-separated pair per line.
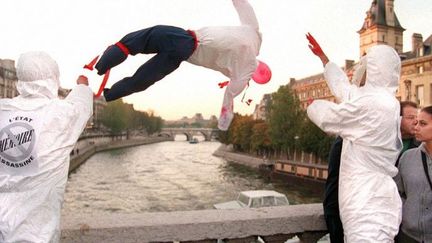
x,y
296,137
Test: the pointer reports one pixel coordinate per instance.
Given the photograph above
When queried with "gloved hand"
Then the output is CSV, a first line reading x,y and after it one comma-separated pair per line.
x,y
316,49
314,46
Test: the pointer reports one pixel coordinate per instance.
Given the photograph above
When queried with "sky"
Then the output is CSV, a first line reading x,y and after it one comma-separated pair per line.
x,y
73,32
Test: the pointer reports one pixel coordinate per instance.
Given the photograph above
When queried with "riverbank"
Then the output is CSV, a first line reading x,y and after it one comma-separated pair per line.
x,y
309,175
228,154
88,146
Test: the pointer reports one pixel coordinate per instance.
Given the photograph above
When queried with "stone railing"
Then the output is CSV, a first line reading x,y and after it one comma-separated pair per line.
x,y
272,224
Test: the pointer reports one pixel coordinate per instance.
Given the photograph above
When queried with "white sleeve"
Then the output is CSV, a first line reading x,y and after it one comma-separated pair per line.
x,y
81,98
337,81
226,115
233,89
246,13
340,119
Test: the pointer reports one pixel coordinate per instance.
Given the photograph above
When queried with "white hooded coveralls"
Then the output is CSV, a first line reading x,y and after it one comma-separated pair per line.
x,y
368,121
37,133
231,50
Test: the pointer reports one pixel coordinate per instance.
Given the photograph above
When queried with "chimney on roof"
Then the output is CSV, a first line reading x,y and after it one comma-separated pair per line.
x,y
417,42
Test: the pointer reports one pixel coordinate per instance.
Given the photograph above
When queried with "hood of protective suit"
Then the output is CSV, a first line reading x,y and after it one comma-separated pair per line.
x,y
383,68
38,81
359,71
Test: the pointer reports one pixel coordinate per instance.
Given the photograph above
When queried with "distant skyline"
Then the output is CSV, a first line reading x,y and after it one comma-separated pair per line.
x,y
73,32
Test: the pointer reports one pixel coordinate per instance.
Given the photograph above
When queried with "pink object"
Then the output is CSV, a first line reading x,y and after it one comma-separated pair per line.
x,y
262,73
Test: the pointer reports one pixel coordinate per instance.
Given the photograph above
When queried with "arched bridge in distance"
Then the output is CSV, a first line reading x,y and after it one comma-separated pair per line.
x,y
208,133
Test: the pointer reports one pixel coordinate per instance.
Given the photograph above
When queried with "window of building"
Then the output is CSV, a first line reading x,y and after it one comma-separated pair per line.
x,y
420,69
420,95
383,38
420,52
430,98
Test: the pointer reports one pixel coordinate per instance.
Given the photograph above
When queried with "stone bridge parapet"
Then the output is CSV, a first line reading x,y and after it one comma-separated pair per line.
x,y
273,224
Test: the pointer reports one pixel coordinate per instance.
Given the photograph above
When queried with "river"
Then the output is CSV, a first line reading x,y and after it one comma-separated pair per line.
x,y
168,176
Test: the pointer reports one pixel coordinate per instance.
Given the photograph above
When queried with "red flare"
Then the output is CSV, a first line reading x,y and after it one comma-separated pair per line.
x,y
223,84
104,82
91,64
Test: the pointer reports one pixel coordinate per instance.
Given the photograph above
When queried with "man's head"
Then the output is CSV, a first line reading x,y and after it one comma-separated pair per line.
x,y
408,112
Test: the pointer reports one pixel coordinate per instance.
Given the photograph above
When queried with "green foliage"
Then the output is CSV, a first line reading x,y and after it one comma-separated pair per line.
x,y
244,133
152,123
260,139
314,140
115,116
119,117
286,122
285,118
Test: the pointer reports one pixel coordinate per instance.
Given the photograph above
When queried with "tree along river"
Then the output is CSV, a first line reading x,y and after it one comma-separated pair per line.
x,y
168,176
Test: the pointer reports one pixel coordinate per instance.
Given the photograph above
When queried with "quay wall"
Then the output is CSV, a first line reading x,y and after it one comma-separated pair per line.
x,y
225,152
309,175
89,145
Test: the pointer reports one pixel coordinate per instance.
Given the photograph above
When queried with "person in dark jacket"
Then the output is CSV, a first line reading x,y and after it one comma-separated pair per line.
x,y
331,205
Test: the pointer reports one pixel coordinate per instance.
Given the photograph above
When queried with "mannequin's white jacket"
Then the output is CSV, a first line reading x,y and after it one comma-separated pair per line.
x,y
231,50
368,121
37,133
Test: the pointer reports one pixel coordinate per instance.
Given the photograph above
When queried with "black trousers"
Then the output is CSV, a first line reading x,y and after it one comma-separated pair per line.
x,y
172,45
331,204
335,229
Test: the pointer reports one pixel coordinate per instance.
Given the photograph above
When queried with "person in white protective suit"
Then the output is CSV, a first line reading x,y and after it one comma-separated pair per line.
x,y
368,121
231,50
37,133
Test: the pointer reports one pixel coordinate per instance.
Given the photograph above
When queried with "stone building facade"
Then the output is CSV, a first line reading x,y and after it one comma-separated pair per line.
x,y
381,26
8,79
260,112
416,77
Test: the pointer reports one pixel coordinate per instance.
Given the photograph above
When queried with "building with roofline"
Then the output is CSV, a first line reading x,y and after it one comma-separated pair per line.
x,y
381,26
8,79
